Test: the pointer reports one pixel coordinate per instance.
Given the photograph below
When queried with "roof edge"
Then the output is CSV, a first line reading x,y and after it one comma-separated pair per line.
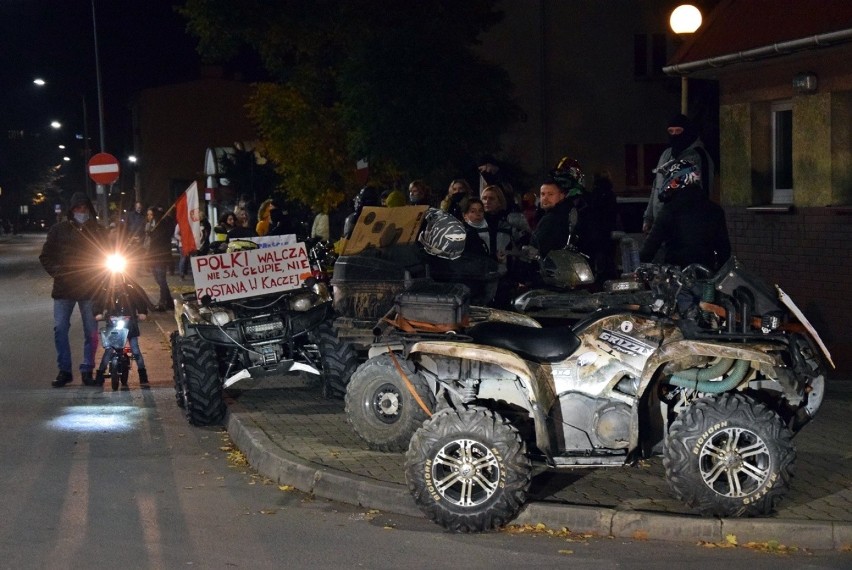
x,y
764,52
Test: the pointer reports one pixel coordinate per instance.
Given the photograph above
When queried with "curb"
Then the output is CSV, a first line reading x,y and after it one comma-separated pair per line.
x,y
284,468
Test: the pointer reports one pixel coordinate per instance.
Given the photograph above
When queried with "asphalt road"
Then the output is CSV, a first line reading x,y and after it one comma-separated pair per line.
x,y
100,479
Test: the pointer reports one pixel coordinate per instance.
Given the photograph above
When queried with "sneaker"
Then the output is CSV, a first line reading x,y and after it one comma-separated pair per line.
x,y
99,378
62,379
86,376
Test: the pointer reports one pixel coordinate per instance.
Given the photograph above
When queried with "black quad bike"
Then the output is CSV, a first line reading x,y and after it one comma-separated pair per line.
x,y
220,343
718,373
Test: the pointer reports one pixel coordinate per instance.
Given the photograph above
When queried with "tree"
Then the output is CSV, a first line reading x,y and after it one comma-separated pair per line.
x,y
396,82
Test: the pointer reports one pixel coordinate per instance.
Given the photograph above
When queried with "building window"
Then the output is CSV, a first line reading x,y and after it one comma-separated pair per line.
x,y
639,163
782,153
649,55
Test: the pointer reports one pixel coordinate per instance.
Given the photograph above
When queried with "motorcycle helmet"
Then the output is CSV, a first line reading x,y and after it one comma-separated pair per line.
x,y
443,235
678,174
368,196
569,175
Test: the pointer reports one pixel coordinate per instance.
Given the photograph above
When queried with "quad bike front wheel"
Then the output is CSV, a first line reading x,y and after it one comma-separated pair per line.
x,y
177,367
729,456
468,470
119,370
381,408
204,402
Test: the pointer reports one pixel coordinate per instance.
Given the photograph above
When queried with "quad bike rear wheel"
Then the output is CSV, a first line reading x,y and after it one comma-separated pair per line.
x,y
204,402
380,407
468,470
729,456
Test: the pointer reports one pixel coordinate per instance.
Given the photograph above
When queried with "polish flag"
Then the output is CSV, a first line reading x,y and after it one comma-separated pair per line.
x,y
188,219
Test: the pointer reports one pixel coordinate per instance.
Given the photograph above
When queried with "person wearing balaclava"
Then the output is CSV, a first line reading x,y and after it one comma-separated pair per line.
x,y
684,144
73,254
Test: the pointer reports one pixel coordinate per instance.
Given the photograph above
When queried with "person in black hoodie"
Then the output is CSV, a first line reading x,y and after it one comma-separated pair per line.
x,y
691,226
73,255
160,255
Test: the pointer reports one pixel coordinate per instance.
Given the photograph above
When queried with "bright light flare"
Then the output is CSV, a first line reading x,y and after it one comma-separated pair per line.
x,y
97,418
116,263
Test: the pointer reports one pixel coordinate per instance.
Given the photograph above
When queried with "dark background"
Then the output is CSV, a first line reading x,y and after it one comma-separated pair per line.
x,y
142,43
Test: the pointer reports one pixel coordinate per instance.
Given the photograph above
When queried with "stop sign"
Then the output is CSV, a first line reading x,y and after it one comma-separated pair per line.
x,y
103,168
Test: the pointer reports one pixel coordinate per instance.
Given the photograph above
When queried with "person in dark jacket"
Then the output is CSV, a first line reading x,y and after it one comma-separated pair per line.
x,y
160,255
73,255
554,227
691,226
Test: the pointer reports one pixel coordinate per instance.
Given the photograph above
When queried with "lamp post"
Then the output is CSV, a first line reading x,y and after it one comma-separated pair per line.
x,y
684,20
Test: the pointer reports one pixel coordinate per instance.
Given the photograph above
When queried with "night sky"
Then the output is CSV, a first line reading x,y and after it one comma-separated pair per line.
x,y
142,43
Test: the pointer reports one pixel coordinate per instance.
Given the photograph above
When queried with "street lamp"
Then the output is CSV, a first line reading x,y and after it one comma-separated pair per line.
x,y
40,82
685,19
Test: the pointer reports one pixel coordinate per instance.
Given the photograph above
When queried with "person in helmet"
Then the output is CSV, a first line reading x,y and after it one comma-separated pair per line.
x,y
690,225
367,196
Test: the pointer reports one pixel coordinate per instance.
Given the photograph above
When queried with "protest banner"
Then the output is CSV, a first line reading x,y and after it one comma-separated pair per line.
x,y
248,273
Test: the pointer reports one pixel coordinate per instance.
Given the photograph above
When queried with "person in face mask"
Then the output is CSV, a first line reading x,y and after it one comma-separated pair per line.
x,y
684,144
73,255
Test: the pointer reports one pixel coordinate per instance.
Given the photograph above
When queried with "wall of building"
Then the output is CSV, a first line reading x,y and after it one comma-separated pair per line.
x,y
572,63
173,127
806,249
808,253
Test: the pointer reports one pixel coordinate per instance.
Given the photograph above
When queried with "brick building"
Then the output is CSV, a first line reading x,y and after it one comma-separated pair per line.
x,y
174,125
785,131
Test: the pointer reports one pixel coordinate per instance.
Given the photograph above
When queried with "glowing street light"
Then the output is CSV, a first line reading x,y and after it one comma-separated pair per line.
x,y
685,19
56,124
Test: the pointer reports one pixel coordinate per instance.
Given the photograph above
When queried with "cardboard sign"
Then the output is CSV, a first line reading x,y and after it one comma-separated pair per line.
x,y
383,227
252,272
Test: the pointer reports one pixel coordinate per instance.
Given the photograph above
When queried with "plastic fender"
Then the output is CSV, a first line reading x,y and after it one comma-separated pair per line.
x,y
757,353
532,378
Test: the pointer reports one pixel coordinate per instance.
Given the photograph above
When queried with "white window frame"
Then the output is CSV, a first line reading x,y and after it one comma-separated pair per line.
x,y
780,195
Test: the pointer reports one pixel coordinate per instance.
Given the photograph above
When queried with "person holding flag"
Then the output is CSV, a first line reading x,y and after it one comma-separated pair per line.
x,y
188,221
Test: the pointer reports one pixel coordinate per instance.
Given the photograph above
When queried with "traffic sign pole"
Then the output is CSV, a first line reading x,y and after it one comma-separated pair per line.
x,y
103,170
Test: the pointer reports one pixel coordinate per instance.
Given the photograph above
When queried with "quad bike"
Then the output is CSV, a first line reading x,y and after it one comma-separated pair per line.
x,y
219,343
385,407
718,372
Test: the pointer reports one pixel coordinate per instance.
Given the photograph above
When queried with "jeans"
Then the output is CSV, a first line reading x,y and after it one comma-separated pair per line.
x,y
159,271
62,309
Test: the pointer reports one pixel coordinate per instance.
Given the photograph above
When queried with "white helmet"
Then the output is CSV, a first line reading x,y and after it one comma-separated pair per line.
x,y
443,235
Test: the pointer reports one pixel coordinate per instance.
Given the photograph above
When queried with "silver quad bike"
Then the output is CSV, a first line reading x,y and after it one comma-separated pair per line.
x,y
717,373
